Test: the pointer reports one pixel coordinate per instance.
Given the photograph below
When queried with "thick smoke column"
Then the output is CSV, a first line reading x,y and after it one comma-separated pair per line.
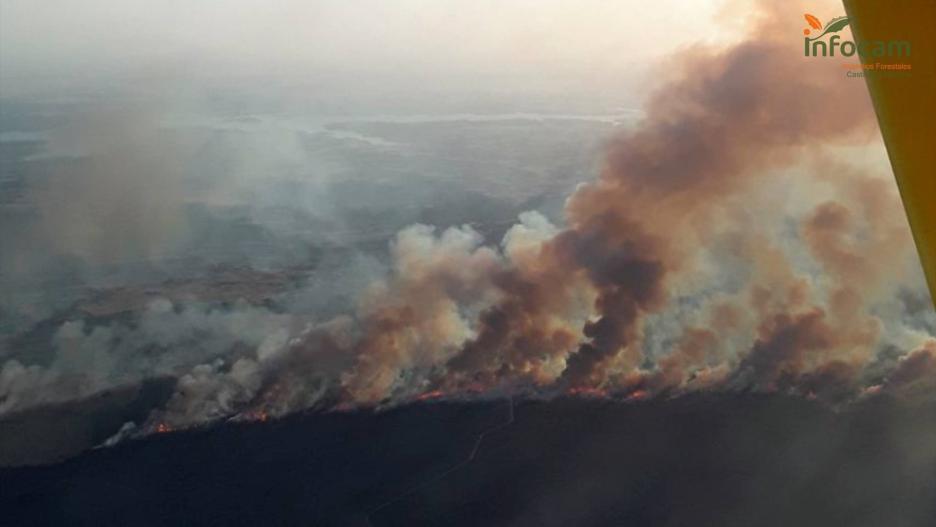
x,y
722,121
677,269
568,310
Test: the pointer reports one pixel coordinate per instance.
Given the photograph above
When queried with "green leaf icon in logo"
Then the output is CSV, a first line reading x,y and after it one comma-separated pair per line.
x,y
834,26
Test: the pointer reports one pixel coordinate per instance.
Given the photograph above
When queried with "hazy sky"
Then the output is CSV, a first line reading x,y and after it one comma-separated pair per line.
x,y
585,40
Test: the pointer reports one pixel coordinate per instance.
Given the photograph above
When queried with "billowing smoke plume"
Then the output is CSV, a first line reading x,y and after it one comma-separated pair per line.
x,y
727,244
567,311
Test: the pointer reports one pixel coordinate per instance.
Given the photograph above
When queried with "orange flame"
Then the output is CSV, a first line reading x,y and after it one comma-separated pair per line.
x,y
585,391
258,415
434,394
638,395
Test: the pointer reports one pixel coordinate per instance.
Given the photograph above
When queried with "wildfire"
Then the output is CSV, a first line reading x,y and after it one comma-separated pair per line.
x,y
434,394
638,395
585,391
163,428
258,415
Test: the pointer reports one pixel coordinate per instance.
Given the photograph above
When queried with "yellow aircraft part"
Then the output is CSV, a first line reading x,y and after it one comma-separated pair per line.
x,y
905,104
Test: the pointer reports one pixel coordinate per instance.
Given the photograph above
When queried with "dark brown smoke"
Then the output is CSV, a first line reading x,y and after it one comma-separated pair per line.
x,y
721,123
915,372
724,118
692,192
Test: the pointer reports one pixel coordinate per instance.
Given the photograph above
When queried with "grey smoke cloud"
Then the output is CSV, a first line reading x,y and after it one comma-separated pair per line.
x,y
166,340
123,198
680,268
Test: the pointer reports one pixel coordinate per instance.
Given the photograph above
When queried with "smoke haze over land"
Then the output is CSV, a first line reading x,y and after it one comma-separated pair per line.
x,y
741,231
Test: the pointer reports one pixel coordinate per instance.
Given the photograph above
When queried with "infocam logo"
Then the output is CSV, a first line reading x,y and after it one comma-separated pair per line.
x,y
819,46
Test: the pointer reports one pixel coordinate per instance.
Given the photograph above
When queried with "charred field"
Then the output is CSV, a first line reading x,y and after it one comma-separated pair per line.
x,y
702,459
